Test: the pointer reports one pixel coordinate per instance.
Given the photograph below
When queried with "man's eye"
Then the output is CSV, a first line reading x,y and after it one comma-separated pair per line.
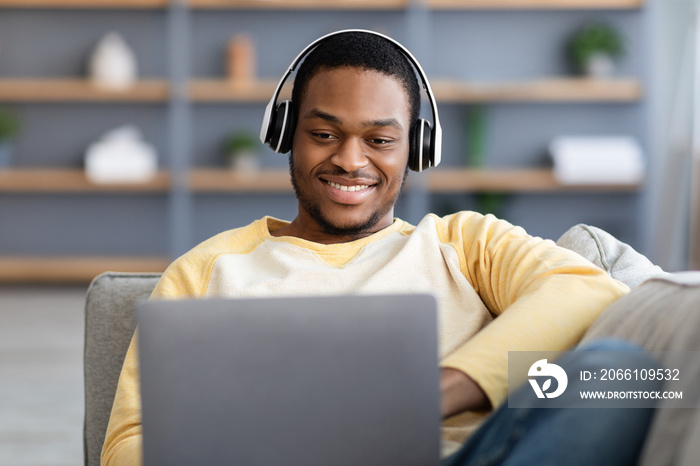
x,y
323,135
381,141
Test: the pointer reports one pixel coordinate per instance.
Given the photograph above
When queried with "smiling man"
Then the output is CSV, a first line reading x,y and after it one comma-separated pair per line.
x,y
355,104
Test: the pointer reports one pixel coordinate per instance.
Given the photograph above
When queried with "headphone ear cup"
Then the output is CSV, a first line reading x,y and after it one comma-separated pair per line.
x,y
421,146
283,126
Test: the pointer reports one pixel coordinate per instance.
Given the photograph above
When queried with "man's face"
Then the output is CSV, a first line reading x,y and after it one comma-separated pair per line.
x,y
350,152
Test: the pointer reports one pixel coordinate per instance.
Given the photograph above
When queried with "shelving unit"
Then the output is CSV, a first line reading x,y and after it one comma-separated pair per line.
x,y
195,182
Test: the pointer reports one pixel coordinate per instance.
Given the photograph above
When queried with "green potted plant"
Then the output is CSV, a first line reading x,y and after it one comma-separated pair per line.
x,y
9,129
241,151
594,48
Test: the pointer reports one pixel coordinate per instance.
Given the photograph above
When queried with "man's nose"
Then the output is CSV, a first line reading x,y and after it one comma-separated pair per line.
x,y
350,155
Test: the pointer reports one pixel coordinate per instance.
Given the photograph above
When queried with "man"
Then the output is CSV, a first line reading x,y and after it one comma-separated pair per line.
x,y
356,99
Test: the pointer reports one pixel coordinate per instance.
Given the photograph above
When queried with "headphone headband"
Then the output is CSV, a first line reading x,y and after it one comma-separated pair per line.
x,y
436,139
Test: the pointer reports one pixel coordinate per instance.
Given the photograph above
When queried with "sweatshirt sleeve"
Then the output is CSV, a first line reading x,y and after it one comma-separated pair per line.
x,y
187,277
544,296
184,278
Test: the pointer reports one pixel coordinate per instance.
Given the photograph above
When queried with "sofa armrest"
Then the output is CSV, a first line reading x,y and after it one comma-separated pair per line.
x,y
619,259
663,314
109,326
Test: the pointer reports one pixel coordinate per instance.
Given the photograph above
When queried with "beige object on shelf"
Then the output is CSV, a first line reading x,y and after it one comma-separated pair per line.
x,y
241,60
113,64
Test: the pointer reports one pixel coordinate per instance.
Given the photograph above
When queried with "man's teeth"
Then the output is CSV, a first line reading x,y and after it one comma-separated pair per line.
x,y
348,188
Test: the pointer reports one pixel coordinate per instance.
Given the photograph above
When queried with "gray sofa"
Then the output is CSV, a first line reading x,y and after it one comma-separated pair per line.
x,y
661,313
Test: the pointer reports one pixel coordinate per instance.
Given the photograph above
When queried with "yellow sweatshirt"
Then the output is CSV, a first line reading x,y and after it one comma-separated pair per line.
x,y
543,297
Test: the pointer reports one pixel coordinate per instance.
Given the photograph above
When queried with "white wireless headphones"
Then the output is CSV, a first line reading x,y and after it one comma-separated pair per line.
x,y
277,130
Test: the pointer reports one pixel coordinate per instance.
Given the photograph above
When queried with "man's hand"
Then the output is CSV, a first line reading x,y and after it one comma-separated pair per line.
x,y
460,393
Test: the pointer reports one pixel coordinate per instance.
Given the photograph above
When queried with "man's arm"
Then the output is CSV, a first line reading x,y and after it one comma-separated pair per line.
x,y
187,277
123,441
544,297
123,438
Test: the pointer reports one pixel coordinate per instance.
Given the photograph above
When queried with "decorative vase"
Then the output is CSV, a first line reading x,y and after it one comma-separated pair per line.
x,y
600,65
5,154
113,63
244,161
241,60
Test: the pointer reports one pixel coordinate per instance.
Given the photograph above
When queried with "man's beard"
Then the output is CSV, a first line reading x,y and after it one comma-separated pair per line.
x,y
312,207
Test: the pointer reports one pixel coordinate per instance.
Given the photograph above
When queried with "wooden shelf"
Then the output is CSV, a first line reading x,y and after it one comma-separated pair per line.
x,y
508,181
223,180
223,91
120,4
536,4
331,5
215,180
79,90
302,4
71,181
544,90
438,181
73,269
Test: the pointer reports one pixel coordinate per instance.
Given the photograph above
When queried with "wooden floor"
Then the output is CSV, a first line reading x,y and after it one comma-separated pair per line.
x,y
41,379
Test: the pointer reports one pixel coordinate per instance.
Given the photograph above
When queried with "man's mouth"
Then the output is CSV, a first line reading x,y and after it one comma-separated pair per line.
x,y
341,187
349,191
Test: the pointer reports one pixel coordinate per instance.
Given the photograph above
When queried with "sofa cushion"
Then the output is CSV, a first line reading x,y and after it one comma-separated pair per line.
x,y
663,314
619,259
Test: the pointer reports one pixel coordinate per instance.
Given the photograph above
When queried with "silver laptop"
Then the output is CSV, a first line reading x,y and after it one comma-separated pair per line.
x,y
338,380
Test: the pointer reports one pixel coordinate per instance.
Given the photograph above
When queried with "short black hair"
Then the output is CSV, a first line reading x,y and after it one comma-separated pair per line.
x,y
363,51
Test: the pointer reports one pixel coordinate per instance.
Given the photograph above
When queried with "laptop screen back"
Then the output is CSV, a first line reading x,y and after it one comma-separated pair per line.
x,y
342,380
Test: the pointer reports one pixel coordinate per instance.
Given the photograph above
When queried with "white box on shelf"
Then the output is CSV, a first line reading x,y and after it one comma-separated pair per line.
x,y
597,160
121,157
